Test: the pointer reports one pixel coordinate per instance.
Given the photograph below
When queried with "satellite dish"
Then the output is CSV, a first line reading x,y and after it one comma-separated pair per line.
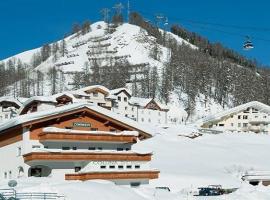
x,y
12,183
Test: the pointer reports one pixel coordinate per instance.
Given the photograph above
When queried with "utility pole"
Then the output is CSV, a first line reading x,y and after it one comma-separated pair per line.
x,y
128,11
105,14
118,8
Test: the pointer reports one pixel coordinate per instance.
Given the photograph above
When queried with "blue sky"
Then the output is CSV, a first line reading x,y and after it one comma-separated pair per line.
x,y
26,24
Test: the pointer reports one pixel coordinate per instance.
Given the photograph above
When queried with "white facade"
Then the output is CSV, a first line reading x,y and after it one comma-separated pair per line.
x,y
250,117
136,108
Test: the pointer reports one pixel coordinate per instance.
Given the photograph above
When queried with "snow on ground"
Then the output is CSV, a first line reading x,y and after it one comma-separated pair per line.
x,y
185,164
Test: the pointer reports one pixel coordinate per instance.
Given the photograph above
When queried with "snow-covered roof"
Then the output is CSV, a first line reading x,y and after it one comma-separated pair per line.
x,y
142,102
254,104
64,94
60,130
48,99
118,90
10,99
92,87
67,108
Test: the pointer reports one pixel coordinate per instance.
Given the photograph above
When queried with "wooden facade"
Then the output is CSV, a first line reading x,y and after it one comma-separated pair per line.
x,y
98,137
113,175
83,156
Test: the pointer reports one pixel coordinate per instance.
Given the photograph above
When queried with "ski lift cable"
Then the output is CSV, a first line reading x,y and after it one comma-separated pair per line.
x,y
202,26
252,28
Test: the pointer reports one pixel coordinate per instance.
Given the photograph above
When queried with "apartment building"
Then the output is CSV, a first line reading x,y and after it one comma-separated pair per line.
x,y
250,117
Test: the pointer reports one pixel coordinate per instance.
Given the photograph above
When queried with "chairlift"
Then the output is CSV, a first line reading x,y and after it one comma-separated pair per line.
x,y
248,45
166,21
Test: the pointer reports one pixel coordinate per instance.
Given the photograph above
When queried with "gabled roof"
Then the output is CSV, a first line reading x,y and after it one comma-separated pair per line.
x,y
143,102
254,104
56,96
119,90
92,88
43,99
31,118
11,100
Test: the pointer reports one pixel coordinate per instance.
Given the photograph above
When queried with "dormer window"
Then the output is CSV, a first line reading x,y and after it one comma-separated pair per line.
x,y
125,99
119,98
95,94
33,108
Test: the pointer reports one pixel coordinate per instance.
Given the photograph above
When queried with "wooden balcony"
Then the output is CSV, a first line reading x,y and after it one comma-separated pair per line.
x,y
85,156
96,137
113,175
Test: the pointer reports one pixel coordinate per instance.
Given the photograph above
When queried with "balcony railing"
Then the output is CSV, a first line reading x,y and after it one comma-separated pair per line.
x,y
97,137
151,174
85,156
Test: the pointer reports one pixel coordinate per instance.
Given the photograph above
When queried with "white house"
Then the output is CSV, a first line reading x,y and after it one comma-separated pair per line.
x,y
253,116
143,110
78,141
9,108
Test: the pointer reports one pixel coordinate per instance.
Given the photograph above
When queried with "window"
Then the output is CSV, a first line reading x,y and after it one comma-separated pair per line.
x,y
65,148
112,167
149,120
245,117
137,166
6,116
239,116
231,124
92,148
99,148
77,169
46,147
231,116
256,116
120,149
126,108
5,175
127,149
19,151
239,124
120,166
119,98
74,148
142,119
129,166
94,129
68,127
264,116
112,130
132,108
245,124
126,115
95,94
125,99
10,175
36,146
221,125
102,167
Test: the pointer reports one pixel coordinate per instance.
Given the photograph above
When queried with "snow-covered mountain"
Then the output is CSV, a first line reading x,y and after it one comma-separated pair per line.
x,y
128,42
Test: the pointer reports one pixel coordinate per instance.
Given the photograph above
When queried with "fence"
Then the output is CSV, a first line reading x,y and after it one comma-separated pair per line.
x,y
8,193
